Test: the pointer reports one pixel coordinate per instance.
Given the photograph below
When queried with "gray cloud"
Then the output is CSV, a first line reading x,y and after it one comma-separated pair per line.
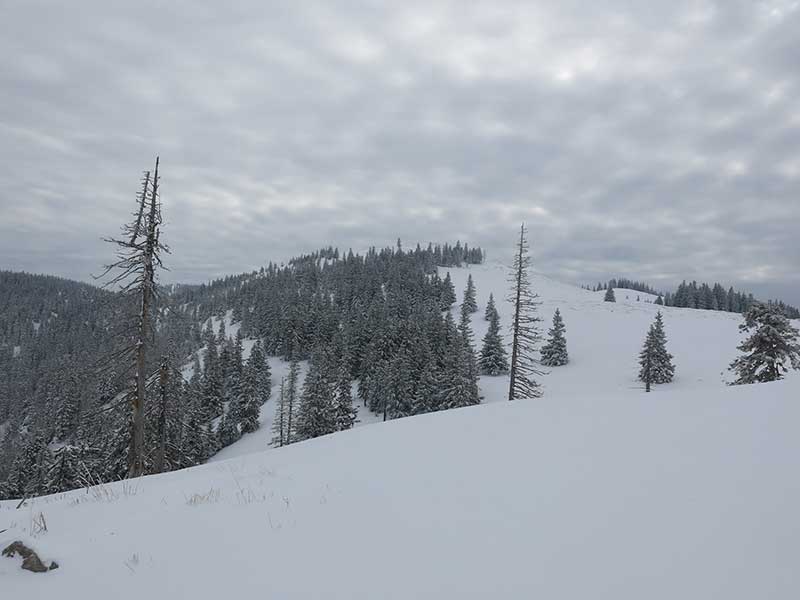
x,y
655,140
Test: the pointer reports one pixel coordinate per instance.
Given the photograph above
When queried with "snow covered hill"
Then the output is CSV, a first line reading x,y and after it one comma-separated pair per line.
x,y
604,340
596,490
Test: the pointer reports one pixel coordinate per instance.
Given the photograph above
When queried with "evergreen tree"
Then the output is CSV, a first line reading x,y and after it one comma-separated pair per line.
x,y
469,304
525,327
660,300
491,309
28,474
459,388
426,394
345,413
317,414
280,437
198,443
212,384
554,352
655,362
68,410
460,372
255,389
292,401
770,350
610,297
493,359
67,470
228,430
447,295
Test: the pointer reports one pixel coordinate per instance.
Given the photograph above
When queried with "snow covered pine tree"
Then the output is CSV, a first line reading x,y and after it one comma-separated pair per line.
x,y
469,304
654,360
493,359
771,349
554,352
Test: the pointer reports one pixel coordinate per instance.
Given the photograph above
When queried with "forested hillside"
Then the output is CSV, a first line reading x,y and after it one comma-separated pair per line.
x,y
378,318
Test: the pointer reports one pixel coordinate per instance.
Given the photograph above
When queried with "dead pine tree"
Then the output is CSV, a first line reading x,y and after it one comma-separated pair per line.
x,y
134,274
524,328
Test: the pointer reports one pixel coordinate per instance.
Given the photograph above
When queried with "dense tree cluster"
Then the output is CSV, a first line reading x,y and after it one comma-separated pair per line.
x,y
707,297
382,319
622,282
699,295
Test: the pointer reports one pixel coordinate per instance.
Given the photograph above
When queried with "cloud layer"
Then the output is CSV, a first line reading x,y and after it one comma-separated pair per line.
x,y
657,140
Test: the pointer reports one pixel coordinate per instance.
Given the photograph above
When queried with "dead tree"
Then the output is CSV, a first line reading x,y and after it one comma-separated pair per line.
x,y
525,327
134,273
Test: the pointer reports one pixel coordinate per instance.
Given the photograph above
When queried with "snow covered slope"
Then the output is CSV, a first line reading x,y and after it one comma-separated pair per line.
x,y
596,490
604,340
673,495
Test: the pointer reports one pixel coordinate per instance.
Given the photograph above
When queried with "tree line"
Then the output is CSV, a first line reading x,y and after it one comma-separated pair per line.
x,y
697,295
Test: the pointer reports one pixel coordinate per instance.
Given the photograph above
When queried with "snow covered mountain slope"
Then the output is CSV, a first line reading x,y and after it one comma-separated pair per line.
x,y
596,490
680,494
604,340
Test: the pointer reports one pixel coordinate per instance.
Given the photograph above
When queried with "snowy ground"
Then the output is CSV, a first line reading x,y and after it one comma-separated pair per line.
x,y
596,490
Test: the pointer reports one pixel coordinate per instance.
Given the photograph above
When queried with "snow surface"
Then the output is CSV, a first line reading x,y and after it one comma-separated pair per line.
x,y
596,490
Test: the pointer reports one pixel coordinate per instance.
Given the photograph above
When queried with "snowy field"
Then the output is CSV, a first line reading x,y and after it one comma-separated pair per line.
x,y
596,490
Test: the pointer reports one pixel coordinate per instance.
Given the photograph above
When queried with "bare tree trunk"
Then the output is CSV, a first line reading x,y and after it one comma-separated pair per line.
x,y
515,341
138,225
163,378
137,463
138,257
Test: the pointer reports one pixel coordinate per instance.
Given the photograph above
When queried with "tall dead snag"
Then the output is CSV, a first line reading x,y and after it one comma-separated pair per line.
x,y
138,257
525,328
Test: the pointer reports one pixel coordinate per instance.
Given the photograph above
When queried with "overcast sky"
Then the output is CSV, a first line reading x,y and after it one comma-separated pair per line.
x,y
655,140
